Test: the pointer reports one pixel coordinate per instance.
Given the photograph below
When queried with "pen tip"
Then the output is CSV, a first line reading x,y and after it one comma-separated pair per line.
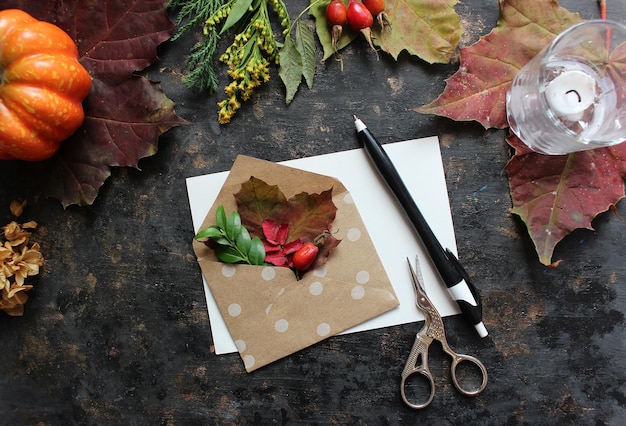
x,y
355,117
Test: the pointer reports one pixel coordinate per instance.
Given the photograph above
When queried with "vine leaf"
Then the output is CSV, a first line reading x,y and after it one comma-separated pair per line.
x,y
124,114
257,202
554,195
617,69
477,91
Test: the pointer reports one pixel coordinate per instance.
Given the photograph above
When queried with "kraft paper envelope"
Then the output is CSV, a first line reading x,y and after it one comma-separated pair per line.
x,y
270,314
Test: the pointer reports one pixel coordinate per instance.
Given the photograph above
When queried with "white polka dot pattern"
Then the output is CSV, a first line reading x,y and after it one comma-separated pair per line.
x,y
316,288
234,310
323,329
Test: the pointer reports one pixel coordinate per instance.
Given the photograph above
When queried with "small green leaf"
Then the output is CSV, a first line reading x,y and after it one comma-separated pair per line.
x,y
210,232
220,217
324,31
228,255
243,241
233,226
290,68
256,253
222,241
305,42
237,12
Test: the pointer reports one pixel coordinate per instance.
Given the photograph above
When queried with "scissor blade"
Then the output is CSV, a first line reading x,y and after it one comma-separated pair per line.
x,y
421,299
416,275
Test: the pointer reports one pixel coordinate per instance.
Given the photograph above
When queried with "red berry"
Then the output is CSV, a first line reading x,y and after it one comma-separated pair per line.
x,y
374,6
359,17
377,9
304,257
336,13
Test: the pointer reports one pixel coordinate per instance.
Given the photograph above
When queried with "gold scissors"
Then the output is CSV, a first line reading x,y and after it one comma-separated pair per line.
x,y
416,368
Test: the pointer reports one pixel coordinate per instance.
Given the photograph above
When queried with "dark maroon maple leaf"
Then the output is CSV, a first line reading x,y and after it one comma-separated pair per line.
x,y
555,195
124,113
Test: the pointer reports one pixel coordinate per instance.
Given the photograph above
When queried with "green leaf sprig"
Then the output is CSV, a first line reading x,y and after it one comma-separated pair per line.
x,y
254,48
233,243
297,58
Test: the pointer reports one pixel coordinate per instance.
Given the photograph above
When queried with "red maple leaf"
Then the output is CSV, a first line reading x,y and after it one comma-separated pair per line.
x,y
555,195
277,249
124,113
477,91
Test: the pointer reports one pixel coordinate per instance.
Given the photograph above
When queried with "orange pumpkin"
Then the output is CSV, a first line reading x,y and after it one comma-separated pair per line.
x,y
42,86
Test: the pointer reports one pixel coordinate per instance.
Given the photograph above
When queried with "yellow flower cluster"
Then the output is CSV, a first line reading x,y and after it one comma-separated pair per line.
x,y
251,53
17,262
219,15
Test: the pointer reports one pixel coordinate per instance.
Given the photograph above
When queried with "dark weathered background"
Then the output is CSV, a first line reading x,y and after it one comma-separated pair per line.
x,y
117,332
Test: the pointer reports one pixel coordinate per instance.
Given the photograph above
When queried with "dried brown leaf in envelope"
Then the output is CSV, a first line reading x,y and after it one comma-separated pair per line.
x,y
271,315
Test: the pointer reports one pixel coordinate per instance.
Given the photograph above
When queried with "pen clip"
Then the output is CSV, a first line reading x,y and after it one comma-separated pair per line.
x,y
461,270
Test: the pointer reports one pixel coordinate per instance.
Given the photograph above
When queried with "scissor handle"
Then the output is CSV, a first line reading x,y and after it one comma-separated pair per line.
x,y
417,366
406,380
461,385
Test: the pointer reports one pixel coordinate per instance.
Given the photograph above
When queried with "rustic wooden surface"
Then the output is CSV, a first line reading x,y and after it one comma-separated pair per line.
x,y
117,332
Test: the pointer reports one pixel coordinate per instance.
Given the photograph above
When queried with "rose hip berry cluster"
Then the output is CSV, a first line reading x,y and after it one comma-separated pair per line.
x,y
359,15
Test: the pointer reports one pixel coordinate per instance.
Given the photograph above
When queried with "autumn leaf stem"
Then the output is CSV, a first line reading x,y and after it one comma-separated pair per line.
x,y
602,4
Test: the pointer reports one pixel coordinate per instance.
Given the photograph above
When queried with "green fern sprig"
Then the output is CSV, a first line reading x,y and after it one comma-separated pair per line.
x,y
192,14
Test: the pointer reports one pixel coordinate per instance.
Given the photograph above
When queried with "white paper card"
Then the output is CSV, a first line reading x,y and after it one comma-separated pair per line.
x,y
419,164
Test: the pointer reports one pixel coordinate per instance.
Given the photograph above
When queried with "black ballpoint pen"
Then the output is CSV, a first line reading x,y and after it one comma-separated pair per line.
x,y
448,266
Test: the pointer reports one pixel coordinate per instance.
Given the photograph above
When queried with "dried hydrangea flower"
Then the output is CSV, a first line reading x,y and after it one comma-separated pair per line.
x,y
17,208
18,261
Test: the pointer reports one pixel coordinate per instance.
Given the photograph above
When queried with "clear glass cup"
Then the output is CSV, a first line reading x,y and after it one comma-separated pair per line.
x,y
572,96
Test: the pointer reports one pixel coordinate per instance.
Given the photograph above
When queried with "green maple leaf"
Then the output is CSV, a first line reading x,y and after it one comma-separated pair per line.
x,y
477,91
